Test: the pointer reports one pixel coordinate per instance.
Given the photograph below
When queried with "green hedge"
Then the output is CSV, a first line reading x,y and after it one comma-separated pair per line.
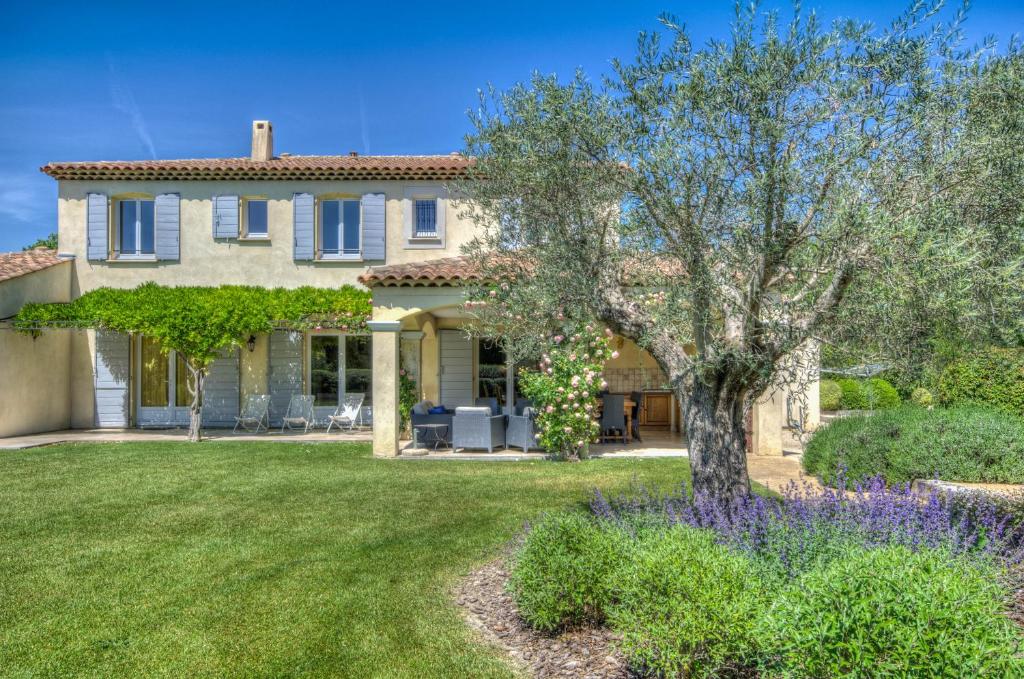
x,y
968,443
830,394
871,394
892,613
994,377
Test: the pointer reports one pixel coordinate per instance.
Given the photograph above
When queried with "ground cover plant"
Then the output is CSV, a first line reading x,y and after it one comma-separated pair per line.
x,y
261,559
967,443
865,581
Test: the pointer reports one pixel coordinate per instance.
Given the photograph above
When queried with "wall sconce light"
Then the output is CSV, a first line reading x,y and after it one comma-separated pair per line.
x,y
251,343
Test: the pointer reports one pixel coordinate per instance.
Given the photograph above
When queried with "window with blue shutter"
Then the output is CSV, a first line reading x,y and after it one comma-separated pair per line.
x,y
302,224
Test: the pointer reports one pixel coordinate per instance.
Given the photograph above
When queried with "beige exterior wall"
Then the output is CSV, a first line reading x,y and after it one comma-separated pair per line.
x,y
205,261
253,366
35,373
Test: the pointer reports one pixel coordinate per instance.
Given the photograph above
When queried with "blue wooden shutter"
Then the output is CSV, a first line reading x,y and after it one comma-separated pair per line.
x,y
168,225
303,206
285,376
225,217
97,229
220,391
111,379
373,226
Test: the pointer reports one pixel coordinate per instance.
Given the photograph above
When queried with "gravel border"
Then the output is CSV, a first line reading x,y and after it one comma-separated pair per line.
x,y
587,653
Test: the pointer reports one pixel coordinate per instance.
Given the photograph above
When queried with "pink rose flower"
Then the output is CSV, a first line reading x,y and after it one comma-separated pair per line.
x,y
615,354
550,409
558,339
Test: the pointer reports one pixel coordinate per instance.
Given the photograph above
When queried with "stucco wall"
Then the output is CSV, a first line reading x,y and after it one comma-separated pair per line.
x,y
204,261
34,372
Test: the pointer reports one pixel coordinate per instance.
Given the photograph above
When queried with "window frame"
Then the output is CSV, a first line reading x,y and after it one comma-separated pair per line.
x,y
424,241
243,208
341,255
137,255
416,233
322,411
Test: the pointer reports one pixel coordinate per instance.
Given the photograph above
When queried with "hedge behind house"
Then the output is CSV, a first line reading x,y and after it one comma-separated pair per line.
x,y
967,443
993,377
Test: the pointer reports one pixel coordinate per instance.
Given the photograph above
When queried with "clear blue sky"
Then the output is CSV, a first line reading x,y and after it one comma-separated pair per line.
x,y
113,81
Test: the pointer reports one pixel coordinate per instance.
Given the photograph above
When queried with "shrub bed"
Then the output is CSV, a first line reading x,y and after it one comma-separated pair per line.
x,y
812,585
971,444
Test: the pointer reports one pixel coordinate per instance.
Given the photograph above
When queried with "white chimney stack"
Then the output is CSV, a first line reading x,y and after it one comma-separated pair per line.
x,y
262,140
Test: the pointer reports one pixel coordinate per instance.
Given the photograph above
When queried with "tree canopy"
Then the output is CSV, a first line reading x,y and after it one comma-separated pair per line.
x,y
722,205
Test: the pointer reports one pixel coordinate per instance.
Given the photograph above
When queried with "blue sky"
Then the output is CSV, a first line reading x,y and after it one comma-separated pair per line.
x,y
113,81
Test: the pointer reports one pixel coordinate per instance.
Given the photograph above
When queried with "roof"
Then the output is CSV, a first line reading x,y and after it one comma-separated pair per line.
x,y
14,264
450,271
434,272
352,166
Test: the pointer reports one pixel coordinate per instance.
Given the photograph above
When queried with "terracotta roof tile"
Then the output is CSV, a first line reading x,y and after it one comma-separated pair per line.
x,y
449,271
434,272
14,264
284,167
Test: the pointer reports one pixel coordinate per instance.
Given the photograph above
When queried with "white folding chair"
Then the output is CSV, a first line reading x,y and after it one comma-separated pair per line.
x,y
254,415
299,413
348,413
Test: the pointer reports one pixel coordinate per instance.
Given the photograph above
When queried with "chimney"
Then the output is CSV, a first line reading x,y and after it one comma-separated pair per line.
x,y
262,140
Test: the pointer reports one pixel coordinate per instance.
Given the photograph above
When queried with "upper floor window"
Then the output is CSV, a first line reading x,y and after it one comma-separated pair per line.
x,y
340,231
255,218
135,228
425,225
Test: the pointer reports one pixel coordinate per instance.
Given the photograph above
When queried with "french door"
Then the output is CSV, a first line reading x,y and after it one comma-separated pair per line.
x,y
161,387
339,365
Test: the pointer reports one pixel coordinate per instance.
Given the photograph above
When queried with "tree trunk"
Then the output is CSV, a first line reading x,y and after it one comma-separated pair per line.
x,y
716,438
195,419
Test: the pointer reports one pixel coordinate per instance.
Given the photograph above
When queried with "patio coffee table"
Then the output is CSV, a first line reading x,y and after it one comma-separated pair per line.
x,y
438,431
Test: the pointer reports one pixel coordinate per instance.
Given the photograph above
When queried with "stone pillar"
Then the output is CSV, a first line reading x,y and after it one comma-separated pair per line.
x,y
385,387
769,418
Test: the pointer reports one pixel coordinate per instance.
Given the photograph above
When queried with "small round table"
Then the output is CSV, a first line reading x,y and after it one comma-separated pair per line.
x,y
439,432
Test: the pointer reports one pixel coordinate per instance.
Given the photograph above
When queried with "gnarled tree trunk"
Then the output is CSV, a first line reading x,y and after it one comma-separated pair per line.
x,y
195,415
713,417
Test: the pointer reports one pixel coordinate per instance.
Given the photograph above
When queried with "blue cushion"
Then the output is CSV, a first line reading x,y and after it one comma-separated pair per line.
x,y
437,410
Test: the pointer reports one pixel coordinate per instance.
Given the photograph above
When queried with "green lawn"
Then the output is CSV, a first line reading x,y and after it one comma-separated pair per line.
x,y
274,559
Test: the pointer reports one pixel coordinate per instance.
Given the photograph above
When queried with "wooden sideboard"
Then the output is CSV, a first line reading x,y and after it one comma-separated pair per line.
x,y
657,409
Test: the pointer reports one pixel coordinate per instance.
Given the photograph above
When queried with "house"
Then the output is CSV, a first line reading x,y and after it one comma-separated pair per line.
x,y
386,222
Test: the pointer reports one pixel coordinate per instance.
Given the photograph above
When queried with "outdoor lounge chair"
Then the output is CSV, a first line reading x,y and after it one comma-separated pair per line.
x,y
254,413
520,431
299,413
476,427
348,413
421,415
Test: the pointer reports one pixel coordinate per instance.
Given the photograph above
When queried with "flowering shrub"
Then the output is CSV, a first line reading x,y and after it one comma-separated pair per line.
x,y
808,527
564,390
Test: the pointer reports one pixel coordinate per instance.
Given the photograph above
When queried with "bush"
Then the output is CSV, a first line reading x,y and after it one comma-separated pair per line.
x,y
922,397
563,573
831,395
892,612
688,606
853,397
881,395
994,377
968,443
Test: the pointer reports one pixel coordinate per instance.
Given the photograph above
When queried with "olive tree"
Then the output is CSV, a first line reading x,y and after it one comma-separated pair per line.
x,y
716,204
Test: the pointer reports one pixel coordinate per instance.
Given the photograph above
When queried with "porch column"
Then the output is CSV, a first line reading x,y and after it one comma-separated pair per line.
x,y
385,386
769,412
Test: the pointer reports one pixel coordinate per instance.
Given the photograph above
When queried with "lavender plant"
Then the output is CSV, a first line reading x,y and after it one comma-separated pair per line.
x,y
807,527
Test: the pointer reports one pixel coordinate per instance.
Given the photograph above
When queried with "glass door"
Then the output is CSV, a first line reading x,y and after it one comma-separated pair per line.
x,y
339,365
162,385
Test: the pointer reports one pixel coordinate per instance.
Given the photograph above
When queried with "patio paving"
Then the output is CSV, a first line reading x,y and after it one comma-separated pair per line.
x,y
151,435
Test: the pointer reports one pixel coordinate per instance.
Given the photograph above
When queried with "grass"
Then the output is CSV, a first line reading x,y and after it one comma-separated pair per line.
x,y
273,559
